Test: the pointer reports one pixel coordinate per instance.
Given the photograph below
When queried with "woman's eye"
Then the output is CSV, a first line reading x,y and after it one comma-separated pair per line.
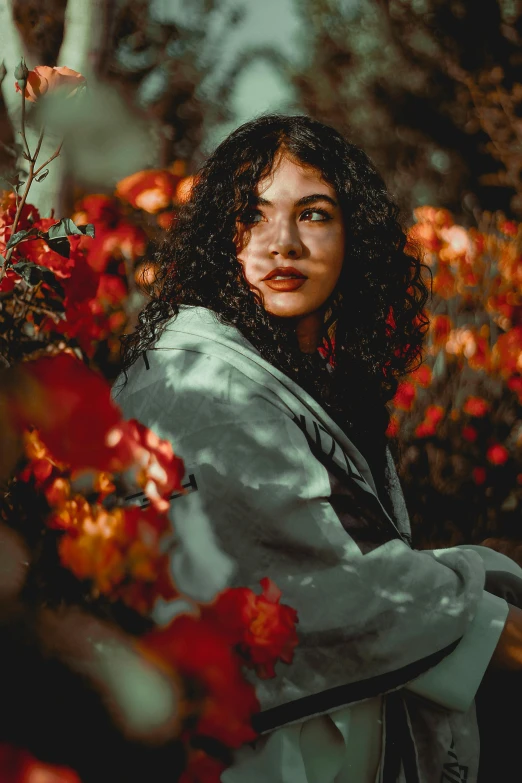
x,y
251,217
316,215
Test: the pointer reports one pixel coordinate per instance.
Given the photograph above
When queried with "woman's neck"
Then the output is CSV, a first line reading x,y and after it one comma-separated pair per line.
x,y
309,330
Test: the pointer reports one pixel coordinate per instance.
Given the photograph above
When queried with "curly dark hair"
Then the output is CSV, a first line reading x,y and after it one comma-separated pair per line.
x,y
375,313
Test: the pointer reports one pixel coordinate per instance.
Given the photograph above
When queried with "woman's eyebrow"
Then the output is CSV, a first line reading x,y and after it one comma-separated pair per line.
x,y
303,202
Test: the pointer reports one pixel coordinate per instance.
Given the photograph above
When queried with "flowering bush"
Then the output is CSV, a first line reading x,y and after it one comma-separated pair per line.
x,y
457,419
74,462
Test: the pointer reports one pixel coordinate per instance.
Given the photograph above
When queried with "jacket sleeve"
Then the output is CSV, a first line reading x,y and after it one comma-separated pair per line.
x,y
371,620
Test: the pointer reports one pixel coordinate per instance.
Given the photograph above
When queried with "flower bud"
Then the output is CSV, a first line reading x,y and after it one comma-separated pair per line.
x,y
21,73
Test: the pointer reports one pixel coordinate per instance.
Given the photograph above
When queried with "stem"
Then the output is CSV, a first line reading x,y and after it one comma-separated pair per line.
x,y
37,150
36,308
53,156
30,177
22,132
9,253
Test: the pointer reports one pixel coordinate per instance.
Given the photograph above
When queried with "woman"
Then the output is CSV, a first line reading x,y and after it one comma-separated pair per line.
x,y
285,312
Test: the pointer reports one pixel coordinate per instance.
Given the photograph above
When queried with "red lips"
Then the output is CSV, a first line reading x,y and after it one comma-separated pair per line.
x,y
284,270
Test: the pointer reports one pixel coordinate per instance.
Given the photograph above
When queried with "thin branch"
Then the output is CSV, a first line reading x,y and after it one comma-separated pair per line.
x,y
53,156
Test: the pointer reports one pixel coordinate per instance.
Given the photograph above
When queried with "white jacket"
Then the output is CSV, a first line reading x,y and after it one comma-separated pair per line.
x,y
277,489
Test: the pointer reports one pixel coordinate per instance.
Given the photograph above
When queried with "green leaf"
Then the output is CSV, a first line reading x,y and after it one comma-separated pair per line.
x,y
34,274
42,176
16,238
67,227
56,236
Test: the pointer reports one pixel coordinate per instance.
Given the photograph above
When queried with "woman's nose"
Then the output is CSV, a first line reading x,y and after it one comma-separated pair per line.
x,y
285,242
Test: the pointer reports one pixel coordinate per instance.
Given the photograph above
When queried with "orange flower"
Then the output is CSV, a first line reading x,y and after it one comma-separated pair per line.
x,y
440,326
507,351
458,243
426,235
167,219
44,79
263,629
476,406
404,396
433,215
184,190
497,454
150,190
113,548
444,283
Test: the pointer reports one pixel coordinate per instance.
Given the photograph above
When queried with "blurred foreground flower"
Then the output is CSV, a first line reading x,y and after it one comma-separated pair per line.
x,y
44,79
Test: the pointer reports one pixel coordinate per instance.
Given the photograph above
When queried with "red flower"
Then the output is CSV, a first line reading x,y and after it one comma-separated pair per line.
x,y
75,412
158,471
476,406
469,433
479,475
515,384
393,427
441,327
434,413
111,289
421,376
124,241
9,280
98,208
198,651
151,190
509,228
201,768
39,252
497,454
425,429
404,396
19,766
263,629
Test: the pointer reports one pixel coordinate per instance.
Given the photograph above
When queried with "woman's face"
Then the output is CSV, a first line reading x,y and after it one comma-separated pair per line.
x,y
296,222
